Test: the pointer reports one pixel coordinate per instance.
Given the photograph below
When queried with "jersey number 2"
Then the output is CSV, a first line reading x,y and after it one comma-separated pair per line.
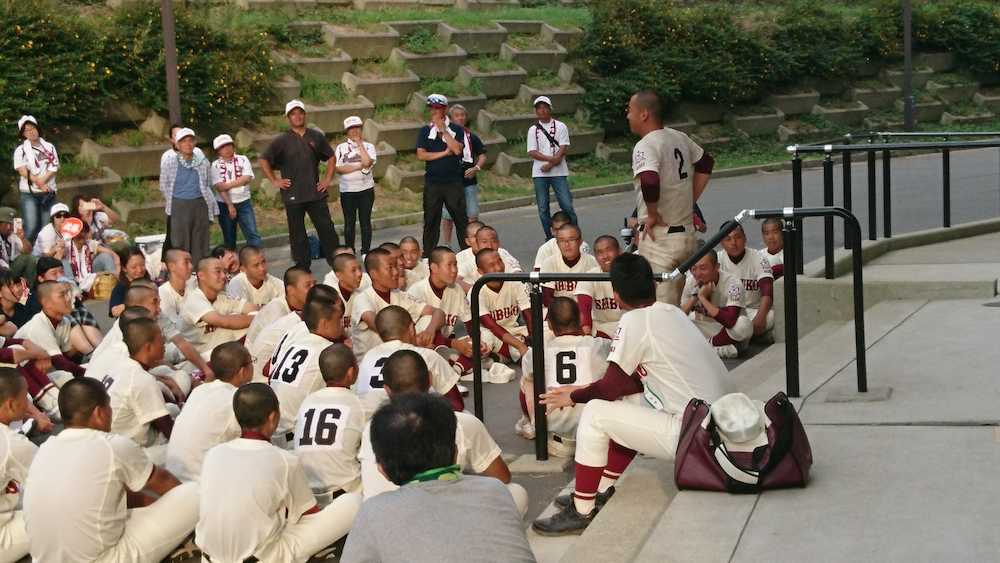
x,y
320,430
566,368
679,157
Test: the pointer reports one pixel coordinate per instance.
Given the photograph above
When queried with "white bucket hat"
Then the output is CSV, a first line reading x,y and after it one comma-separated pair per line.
x,y
26,119
352,121
183,132
294,104
542,100
221,141
741,422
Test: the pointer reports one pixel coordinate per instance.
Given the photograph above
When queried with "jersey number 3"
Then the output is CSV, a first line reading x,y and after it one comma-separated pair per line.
x,y
566,368
320,429
679,157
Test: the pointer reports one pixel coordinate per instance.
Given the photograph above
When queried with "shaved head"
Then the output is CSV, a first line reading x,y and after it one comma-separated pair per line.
x,y
228,359
406,372
12,384
472,227
482,254
334,362
342,261
79,397
205,263
392,323
247,252
253,403
138,294
439,254
376,258
139,332
650,101
564,315
175,254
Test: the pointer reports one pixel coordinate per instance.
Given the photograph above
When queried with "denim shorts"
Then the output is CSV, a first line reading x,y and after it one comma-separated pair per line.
x,y
471,203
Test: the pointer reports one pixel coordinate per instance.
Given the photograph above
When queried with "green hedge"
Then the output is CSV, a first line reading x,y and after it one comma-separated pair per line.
x,y
731,53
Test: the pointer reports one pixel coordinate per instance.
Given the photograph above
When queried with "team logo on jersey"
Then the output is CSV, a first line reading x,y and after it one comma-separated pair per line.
x,y
638,159
751,285
504,313
565,285
605,303
735,291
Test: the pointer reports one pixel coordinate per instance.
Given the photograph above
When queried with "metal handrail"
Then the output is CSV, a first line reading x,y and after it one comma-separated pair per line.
x,y
832,148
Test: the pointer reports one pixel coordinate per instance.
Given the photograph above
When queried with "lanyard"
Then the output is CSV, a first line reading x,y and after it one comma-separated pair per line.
x,y
237,169
447,473
77,261
552,131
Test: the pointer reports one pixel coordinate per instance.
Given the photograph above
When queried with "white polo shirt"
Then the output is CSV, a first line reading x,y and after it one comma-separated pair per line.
x,y
357,181
229,170
537,141
203,336
46,240
53,338
206,420
136,401
452,303
328,431
270,289
16,453
170,301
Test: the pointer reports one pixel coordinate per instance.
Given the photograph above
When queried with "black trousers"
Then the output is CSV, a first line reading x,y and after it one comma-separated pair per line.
x,y
358,207
452,196
319,213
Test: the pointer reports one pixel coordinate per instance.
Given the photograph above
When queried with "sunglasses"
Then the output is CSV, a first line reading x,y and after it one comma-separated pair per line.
x,y
60,215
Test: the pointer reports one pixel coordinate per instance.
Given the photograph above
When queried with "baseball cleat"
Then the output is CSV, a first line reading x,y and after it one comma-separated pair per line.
x,y
565,522
525,428
727,352
562,501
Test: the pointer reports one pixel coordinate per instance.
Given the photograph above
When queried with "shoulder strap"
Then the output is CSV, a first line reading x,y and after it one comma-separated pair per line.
x,y
540,127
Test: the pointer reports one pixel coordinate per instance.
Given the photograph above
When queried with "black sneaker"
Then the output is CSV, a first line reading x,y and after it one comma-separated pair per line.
x,y
565,522
562,501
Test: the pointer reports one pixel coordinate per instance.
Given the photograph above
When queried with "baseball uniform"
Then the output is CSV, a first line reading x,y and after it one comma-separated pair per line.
x,y
206,420
604,312
170,300
417,273
200,334
550,247
728,292
469,271
136,401
263,513
261,349
675,364
240,288
327,437
557,265
16,453
349,300
504,306
331,280
451,301
265,317
569,360
370,381
364,337
777,262
754,267
671,154
54,339
294,373
74,502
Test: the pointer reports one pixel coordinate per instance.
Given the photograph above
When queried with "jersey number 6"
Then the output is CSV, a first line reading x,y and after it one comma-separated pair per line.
x,y
566,368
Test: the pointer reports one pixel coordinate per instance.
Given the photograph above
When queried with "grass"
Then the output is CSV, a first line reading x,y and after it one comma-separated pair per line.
x,y
529,42
509,107
952,79
72,169
308,43
409,162
422,42
136,191
965,108
555,15
322,92
873,84
837,102
544,79
449,88
492,64
381,69
756,109
128,138
394,114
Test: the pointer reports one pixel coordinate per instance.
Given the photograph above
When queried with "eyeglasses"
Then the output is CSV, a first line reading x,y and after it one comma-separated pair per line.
x,y
60,215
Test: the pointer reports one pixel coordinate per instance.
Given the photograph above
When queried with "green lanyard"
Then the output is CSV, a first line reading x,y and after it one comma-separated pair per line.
x,y
447,473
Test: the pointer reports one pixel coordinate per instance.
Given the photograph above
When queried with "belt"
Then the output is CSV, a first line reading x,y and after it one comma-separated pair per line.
x,y
250,559
675,229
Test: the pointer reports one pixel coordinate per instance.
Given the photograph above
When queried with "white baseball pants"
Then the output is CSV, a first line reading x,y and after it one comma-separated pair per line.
x,y
152,532
641,428
14,543
664,254
303,539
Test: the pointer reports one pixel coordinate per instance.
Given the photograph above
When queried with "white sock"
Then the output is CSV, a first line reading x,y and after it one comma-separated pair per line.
x,y
605,484
584,506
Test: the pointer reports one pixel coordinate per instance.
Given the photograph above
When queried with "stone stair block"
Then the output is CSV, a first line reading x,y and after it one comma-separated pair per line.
x,y
568,37
499,84
508,165
566,73
682,123
843,116
258,141
473,103
386,4
397,179
390,91
938,62
494,143
531,27
565,97
925,112
407,27
701,112
510,126
323,68
143,162
285,88
952,93
102,187
534,60
435,65
386,156
375,43
988,101
764,124
794,104
330,117
474,41
486,5
140,213
920,77
402,135
584,142
124,112
877,98
613,154
946,119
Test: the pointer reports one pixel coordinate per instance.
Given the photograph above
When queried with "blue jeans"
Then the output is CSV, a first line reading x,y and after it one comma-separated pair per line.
x,y
559,185
471,203
246,220
35,212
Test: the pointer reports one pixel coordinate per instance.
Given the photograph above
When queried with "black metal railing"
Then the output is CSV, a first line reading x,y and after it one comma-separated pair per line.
x,y
877,142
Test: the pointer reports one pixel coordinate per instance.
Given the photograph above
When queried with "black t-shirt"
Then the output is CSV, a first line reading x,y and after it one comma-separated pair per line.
x,y
477,149
447,170
23,314
298,158
117,296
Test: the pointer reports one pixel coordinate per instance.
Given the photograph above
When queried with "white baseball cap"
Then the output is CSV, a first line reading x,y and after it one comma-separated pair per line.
x,y
58,207
26,119
352,121
183,132
741,421
294,104
221,141
542,100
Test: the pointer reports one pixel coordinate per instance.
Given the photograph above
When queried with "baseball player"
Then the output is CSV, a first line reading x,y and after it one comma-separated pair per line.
x,y
395,328
297,282
179,282
293,369
406,372
207,418
209,317
500,303
571,358
345,278
599,312
16,453
715,301
415,267
656,351
366,280
290,326
385,291
569,260
774,245
397,255
466,258
670,173
84,498
753,268
328,428
551,246
268,513
253,284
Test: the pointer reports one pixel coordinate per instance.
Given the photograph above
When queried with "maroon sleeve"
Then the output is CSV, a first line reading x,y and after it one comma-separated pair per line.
x,y
585,304
766,286
614,385
727,316
705,164
164,425
527,321
60,361
778,271
488,322
454,397
468,327
548,294
7,356
649,182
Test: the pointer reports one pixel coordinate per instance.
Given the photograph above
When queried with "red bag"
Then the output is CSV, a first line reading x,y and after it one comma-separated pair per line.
x,y
703,462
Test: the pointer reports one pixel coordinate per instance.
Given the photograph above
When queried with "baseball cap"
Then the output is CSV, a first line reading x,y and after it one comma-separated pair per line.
x,y
542,100
437,101
59,207
294,104
221,141
352,121
26,119
183,132
741,421
7,215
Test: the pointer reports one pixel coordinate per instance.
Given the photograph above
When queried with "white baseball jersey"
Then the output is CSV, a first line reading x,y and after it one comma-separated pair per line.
x,y
16,453
419,272
371,382
504,306
240,288
555,264
294,373
328,431
364,337
261,349
265,317
136,400
571,360
750,270
451,301
469,271
54,339
349,299
206,420
109,360
476,451
254,484
777,261
671,154
728,292
670,355
605,312
74,500
170,301
550,247
201,335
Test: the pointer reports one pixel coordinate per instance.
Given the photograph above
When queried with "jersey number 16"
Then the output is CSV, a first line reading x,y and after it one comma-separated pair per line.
x,y
320,429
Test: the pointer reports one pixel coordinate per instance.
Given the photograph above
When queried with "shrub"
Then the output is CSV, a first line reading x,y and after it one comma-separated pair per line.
x,y
969,29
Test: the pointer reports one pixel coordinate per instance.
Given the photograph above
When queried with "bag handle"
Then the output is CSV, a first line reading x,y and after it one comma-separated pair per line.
x,y
552,140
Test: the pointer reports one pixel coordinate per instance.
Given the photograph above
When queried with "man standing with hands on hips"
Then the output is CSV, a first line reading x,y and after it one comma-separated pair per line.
x,y
670,173
297,153
439,145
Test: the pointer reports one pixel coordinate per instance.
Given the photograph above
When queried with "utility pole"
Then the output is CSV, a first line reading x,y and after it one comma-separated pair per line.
x,y
908,100
170,58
